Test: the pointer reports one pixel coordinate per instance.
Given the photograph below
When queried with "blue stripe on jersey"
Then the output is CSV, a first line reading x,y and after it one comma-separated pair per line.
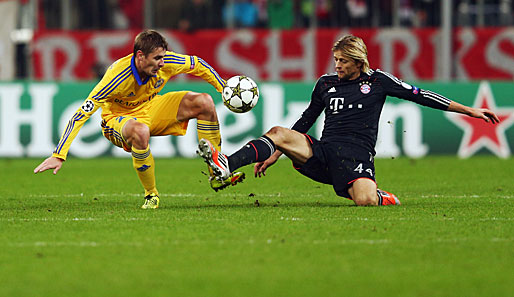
x,y
71,123
174,62
112,82
174,57
205,64
192,62
113,87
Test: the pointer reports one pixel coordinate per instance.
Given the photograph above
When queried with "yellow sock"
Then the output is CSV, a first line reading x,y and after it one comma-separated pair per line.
x,y
210,131
145,167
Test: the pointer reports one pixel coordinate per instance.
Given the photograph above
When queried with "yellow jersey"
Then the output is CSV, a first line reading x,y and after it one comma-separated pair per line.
x,y
121,92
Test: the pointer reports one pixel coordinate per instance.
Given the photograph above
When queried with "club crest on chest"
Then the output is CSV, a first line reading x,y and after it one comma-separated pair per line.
x,y
365,87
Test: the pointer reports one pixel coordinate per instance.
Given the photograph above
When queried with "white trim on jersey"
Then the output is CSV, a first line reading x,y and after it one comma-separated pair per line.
x,y
435,97
392,77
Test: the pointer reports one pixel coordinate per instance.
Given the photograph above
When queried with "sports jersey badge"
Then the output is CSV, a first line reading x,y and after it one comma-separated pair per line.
x,y
365,87
159,83
415,90
88,106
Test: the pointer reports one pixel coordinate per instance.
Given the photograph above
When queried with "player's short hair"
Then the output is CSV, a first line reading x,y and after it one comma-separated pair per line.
x,y
148,40
353,47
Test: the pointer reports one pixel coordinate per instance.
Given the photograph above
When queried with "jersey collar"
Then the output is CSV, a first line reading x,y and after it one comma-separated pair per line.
x,y
136,74
362,76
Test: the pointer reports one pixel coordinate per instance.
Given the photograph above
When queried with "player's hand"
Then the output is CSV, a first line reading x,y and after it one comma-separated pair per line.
x,y
485,114
260,167
50,163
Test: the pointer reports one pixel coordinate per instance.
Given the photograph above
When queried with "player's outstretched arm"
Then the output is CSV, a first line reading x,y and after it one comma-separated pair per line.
x,y
481,113
50,163
260,167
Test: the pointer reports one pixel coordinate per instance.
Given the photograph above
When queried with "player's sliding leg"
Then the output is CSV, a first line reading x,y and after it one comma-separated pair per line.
x,y
201,107
210,131
144,164
257,150
218,165
291,143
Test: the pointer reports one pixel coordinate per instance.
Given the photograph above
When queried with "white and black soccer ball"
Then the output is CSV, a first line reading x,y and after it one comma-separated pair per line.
x,y
240,94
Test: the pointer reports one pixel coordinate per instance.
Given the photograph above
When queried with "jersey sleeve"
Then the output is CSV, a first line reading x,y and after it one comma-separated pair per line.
x,y
103,91
76,122
195,66
311,114
400,89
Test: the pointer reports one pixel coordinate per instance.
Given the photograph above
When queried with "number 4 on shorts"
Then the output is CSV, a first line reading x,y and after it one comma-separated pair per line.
x,y
360,169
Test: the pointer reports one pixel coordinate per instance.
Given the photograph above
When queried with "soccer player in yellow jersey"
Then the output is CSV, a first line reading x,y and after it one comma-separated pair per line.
x,y
132,110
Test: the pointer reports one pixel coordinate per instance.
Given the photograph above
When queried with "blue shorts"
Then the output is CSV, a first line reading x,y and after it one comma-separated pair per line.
x,y
338,164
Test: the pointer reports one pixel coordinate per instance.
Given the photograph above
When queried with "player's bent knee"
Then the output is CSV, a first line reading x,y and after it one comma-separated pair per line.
x,y
138,135
204,101
366,199
278,134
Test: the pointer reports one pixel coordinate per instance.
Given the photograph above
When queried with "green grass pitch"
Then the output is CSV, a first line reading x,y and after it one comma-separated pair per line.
x,y
82,233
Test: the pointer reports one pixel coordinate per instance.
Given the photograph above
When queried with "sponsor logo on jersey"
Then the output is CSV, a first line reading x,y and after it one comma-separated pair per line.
x,y
88,106
132,103
332,90
159,83
365,87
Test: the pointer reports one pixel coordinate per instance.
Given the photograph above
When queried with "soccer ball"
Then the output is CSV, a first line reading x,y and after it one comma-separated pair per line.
x,y
240,94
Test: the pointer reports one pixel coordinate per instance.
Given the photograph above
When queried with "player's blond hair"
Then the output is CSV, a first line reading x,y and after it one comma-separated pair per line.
x,y
148,40
353,47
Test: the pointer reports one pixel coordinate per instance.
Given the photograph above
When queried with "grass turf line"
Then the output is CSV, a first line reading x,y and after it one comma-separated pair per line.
x,y
81,232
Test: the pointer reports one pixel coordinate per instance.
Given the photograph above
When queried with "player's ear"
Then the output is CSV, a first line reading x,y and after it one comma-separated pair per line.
x,y
140,55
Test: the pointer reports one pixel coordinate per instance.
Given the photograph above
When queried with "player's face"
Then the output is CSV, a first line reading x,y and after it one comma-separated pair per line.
x,y
151,63
346,68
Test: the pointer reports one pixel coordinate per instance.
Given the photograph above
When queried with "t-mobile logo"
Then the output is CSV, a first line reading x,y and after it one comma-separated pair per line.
x,y
336,104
